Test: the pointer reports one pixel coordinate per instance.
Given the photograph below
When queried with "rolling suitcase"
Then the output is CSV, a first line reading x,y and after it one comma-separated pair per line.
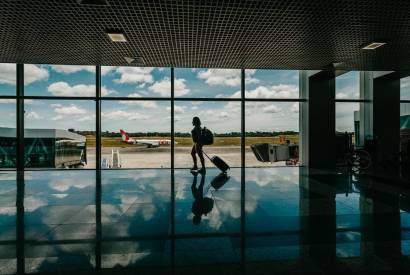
x,y
218,162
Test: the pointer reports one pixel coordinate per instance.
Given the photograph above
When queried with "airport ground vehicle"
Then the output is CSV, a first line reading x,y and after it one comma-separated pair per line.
x,y
266,152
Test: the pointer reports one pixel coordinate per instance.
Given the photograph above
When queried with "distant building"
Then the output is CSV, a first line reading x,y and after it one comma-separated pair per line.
x,y
43,148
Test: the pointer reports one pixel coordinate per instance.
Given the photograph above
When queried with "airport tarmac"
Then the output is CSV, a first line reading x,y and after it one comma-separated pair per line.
x,y
142,157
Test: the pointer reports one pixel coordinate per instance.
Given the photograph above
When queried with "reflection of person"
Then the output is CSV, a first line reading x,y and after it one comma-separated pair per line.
x,y
197,147
200,206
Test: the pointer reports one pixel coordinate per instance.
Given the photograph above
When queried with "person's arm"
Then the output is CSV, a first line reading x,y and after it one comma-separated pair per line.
x,y
194,135
198,134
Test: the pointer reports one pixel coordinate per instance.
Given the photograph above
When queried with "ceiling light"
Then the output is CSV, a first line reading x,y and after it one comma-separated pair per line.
x,y
117,36
373,45
136,60
129,59
337,64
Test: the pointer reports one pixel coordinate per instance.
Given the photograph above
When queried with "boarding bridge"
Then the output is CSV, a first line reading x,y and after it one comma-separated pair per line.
x,y
265,152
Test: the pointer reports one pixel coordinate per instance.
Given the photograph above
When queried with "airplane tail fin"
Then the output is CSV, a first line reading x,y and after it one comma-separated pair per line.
x,y
124,135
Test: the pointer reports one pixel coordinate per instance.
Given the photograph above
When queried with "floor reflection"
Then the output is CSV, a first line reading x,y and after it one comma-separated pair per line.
x,y
284,219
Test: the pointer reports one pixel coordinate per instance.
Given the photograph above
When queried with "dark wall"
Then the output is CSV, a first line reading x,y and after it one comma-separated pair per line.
x,y
322,120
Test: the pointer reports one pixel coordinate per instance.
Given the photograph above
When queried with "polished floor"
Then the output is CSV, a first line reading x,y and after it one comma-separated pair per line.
x,y
159,221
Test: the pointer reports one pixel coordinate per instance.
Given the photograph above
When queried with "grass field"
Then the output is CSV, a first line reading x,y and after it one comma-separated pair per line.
x,y
187,141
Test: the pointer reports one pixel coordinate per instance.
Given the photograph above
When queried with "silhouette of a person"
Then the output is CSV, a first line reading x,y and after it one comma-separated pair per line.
x,y
197,147
200,206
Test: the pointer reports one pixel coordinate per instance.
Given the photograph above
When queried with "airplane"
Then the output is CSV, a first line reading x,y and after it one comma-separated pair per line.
x,y
150,143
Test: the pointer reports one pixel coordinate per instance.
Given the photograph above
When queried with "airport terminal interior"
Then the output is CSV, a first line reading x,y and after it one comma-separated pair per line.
x,y
204,137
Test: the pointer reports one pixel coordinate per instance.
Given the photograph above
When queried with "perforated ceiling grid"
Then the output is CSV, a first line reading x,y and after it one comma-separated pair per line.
x,y
223,34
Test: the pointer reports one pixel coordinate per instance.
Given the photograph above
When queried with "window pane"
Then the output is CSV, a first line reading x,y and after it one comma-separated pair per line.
x,y
8,217
7,79
348,85
59,134
272,83
272,133
136,134
222,118
214,83
348,120
405,129
8,133
60,80
405,88
135,82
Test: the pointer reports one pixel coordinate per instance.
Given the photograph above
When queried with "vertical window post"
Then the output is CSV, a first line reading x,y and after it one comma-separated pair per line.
x,y
20,170
172,170
20,118
98,225
243,241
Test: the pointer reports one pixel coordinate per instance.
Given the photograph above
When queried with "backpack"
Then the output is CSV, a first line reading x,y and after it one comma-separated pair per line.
x,y
207,136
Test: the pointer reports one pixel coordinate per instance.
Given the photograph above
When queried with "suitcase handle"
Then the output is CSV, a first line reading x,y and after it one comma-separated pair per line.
x,y
206,155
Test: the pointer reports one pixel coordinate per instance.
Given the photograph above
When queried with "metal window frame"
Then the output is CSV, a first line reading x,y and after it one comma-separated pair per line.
x,y
98,98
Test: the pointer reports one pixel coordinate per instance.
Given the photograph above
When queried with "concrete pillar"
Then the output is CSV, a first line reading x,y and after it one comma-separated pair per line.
x,y
321,134
386,118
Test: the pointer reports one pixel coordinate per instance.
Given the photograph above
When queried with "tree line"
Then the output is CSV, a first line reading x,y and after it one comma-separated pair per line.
x,y
180,134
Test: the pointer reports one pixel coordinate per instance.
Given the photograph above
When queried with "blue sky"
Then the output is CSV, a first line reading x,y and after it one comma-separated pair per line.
x,y
150,116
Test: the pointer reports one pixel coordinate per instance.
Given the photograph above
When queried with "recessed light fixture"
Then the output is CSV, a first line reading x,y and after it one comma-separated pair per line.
x,y
337,64
129,59
373,45
137,59
92,2
116,36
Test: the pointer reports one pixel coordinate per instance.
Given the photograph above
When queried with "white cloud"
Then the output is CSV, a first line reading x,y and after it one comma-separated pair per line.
x,y
271,109
134,75
142,103
123,115
58,117
8,74
163,87
226,77
341,95
33,115
64,89
221,77
69,69
69,110
177,109
107,69
295,107
87,118
7,101
223,115
275,91
33,73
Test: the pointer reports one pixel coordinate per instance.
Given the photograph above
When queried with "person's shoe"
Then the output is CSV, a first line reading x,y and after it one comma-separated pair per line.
x,y
202,170
195,168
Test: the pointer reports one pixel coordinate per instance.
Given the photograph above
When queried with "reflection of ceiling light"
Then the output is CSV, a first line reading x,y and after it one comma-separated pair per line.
x,y
117,36
373,45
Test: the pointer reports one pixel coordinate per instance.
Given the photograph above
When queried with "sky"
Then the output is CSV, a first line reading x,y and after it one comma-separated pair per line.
x,y
148,116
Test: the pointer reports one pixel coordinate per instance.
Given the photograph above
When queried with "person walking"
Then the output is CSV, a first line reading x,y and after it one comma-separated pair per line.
x,y
197,147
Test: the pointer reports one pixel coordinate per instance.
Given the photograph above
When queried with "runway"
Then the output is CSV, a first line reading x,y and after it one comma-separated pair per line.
x,y
142,157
